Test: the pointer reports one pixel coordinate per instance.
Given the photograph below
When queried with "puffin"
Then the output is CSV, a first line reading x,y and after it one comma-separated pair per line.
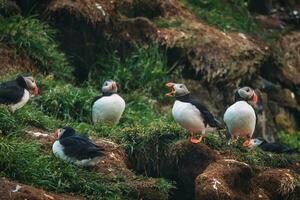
x,y
190,114
271,147
240,118
75,148
16,93
109,107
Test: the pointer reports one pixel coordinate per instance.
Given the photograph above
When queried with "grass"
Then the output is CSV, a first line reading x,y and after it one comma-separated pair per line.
x,y
146,132
144,70
231,16
23,160
36,39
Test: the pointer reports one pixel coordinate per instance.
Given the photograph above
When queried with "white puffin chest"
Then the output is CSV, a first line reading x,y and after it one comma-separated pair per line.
x,y
240,119
188,116
108,109
25,98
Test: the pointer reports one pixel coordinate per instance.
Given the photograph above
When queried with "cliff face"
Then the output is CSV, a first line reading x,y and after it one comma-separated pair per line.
x,y
218,61
212,63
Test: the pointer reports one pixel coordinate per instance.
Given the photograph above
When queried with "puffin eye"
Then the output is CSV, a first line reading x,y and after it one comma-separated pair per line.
x,y
180,86
247,90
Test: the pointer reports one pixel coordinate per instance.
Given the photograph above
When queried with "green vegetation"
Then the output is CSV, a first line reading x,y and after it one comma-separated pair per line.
x,y
290,139
226,15
144,70
32,37
23,160
146,130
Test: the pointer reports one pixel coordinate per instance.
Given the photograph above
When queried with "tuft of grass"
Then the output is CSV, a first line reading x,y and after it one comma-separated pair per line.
x,y
143,70
36,39
290,139
66,102
8,124
226,15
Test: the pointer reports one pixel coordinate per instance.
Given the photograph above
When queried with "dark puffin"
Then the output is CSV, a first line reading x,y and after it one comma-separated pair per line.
x,y
271,147
190,114
16,93
75,148
240,118
109,107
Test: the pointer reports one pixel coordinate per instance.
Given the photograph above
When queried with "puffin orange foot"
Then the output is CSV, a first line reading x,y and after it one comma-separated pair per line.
x,y
195,141
247,143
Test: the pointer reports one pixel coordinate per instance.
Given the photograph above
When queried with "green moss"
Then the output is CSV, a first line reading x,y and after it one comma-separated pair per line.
x,y
34,38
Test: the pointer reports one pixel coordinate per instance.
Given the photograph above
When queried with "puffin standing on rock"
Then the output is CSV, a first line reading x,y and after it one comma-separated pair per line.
x,y
271,147
109,107
190,114
16,93
74,148
240,118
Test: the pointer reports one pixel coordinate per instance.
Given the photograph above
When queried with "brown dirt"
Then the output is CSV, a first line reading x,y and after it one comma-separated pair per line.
x,y
226,179
94,11
7,192
186,162
279,183
12,62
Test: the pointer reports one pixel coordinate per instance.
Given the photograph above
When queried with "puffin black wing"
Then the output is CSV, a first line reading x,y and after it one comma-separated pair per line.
x,y
96,99
277,148
92,104
80,147
207,116
10,93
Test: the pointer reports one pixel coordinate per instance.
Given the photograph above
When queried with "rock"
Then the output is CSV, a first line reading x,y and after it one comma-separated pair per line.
x,y
187,161
11,62
269,22
284,123
261,6
10,190
226,179
290,72
279,183
9,8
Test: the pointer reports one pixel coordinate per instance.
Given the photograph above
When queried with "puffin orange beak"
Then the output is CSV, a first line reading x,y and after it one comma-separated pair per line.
x,y
254,98
114,86
173,90
36,91
55,134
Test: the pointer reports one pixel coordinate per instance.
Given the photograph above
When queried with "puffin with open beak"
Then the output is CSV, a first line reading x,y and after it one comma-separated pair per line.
x,y
109,107
240,118
190,114
16,93
72,147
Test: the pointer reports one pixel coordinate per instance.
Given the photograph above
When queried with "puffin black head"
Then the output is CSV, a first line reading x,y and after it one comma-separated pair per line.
x,y
257,142
246,94
177,89
64,132
109,87
28,83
